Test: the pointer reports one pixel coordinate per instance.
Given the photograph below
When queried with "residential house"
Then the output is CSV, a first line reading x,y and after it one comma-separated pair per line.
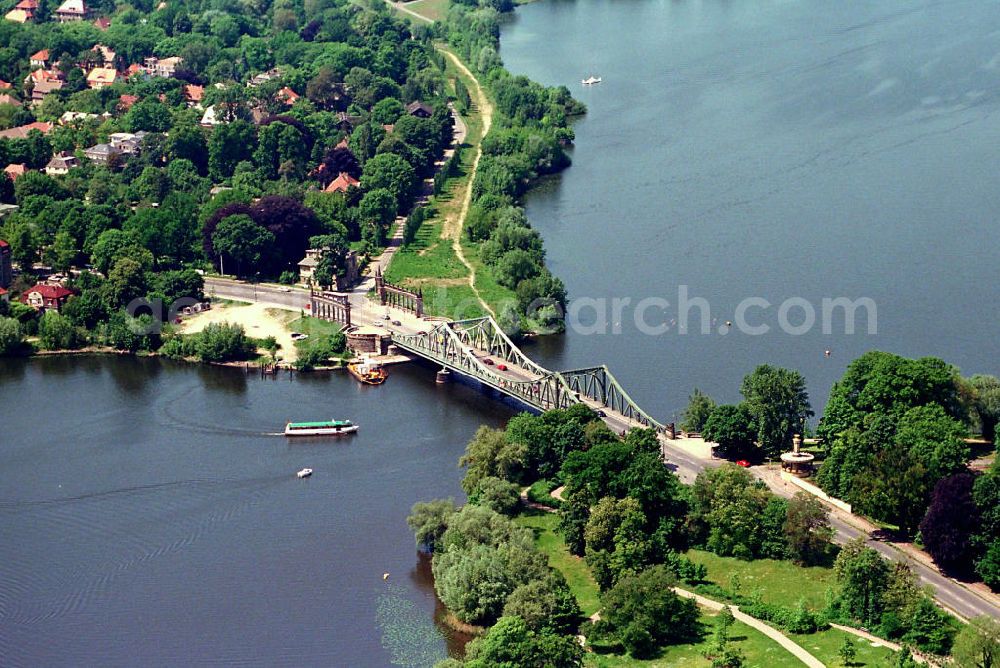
x,y
72,10
101,154
15,171
102,77
135,70
4,297
193,94
209,118
39,59
164,67
61,163
342,183
127,142
419,109
262,78
102,23
21,132
19,16
71,117
38,76
44,87
288,96
7,98
107,55
5,85
6,269
308,264
125,102
43,296
23,11
346,122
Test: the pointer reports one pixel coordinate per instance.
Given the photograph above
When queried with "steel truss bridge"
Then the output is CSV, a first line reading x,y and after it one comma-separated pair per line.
x,y
464,346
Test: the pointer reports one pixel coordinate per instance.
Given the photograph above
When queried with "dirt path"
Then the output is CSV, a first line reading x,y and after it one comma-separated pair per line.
x,y
406,10
453,226
774,634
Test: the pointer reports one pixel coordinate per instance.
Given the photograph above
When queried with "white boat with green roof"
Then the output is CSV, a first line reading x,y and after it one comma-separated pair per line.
x,y
331,428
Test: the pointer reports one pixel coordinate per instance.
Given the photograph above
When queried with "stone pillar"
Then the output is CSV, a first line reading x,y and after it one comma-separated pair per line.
x,y
380,285
420,303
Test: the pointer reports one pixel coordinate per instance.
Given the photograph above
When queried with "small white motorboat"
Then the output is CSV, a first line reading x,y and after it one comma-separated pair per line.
x,y
590,81
304,473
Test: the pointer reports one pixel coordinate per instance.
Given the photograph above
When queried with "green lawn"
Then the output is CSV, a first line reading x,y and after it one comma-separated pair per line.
x,y
759,650
781,582
435,10
573,568
492,292
825,646
427,257
315,328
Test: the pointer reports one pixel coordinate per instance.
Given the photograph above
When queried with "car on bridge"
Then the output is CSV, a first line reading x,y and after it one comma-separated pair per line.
x,y
487,361
502,367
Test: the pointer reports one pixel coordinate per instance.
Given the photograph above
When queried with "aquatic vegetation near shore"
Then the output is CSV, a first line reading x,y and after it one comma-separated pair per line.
x,y
408,633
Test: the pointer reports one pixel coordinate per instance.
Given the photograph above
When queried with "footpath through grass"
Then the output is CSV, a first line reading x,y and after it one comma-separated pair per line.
x,y
760,651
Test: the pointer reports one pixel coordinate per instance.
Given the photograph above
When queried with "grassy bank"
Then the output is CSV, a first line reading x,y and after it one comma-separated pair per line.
x,y
430,262
780,582
760,651
825,646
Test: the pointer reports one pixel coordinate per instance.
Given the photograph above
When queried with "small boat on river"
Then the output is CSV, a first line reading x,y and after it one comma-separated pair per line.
x,y
304,473
590,81
331,428
368,372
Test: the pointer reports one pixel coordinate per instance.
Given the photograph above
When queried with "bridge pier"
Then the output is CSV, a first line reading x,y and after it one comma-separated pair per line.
x,y
443,376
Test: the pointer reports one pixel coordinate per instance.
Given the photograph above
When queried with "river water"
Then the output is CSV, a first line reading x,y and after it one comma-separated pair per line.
x,y
771,149
744,149
150,517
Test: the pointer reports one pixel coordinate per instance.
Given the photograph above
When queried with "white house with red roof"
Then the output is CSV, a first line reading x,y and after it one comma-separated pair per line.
x,y
43,296
21,132
72,10
288,96
102,77
39,58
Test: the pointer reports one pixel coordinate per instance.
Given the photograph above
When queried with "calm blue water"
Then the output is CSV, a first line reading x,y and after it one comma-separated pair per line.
x,y
149,517
774,149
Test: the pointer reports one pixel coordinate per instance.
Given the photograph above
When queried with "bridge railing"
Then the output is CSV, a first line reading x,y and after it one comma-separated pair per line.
x,y
452,344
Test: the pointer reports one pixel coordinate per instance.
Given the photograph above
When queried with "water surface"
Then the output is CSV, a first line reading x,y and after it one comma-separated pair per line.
x,y
774,149
150,516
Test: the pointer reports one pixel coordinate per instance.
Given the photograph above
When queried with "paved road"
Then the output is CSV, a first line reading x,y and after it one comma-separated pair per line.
x,y
684,462
949,593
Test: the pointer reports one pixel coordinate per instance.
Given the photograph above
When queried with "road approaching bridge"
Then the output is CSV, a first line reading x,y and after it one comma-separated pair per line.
x,y
480,350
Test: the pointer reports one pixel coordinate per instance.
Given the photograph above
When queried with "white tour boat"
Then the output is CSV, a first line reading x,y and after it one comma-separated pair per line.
x,y
330,428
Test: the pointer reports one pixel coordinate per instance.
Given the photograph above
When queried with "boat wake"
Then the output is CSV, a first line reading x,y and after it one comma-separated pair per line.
x,y
108,543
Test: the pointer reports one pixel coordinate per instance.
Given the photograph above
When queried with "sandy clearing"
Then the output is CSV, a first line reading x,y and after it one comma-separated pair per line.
x,y
259,321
